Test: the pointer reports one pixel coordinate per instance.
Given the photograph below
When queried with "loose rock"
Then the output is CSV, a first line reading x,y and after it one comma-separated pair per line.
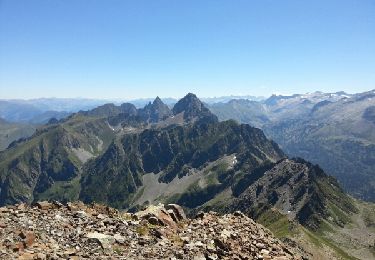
x,y
51,230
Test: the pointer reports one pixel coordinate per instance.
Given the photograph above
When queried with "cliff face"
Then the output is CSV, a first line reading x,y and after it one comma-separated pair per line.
x,y
171,153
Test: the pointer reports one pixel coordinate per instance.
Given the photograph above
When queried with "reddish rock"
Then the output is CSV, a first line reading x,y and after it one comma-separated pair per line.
x,y
19,247
178,211
29,239
173,215
166,219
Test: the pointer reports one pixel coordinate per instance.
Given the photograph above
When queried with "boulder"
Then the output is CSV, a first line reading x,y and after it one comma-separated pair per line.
x,y
178,211
158,212
44,205
29,239
105,241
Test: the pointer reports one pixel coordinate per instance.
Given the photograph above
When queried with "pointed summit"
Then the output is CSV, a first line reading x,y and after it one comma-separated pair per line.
x,y
155,111
158,101
192,108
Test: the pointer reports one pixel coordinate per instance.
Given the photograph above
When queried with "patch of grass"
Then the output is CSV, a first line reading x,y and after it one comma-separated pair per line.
x,y
176,240
277,223
338,215
313,238
318,240
338,250
61,190
126,216
325,227
142,230
282,227
368,215
118,250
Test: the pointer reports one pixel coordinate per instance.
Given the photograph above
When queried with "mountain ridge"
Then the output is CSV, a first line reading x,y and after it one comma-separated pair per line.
x,y
334,130
116,156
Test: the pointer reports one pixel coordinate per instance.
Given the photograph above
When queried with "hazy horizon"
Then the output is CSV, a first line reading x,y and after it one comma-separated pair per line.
x,y
175,97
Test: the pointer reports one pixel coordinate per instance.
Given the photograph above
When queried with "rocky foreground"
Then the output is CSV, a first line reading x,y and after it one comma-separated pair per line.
x,y
51,230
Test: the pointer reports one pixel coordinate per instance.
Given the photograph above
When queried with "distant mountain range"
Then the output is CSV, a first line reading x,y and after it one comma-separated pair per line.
x,y
334,130
129,157
40,110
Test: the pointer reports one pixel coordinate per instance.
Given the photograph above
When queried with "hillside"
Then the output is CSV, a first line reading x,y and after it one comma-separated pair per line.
x,y
177,152
32,168
334,130
131,158
10,132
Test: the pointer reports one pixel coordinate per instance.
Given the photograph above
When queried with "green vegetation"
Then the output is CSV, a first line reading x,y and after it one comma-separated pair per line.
x,y
117,173
61,190
142,230
45,166
281,227
10,132
368,214
118,249
277,223
319,240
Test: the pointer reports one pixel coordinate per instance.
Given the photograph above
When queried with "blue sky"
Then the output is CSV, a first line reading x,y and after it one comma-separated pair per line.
x,y
129,49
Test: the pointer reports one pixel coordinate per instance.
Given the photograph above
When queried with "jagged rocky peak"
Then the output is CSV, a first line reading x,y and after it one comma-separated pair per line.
x,y
155,111
192,108
158,102
160,108
310,201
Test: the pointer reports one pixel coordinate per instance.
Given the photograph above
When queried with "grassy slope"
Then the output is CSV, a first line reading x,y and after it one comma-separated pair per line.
x,y
354,240
10,132
91,134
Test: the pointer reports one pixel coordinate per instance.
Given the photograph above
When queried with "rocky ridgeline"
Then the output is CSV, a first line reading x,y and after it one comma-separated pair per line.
x,y
51,230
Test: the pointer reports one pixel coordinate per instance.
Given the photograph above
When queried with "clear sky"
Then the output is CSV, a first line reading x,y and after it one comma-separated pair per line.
x,y
129,49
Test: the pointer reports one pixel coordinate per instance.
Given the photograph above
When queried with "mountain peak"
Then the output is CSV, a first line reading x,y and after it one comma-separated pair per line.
x,y
192,108
158,101
191,95
156,111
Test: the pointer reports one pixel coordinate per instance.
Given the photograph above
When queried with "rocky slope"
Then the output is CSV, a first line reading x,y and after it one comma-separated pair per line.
x,y
299,190
76,231
334,130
